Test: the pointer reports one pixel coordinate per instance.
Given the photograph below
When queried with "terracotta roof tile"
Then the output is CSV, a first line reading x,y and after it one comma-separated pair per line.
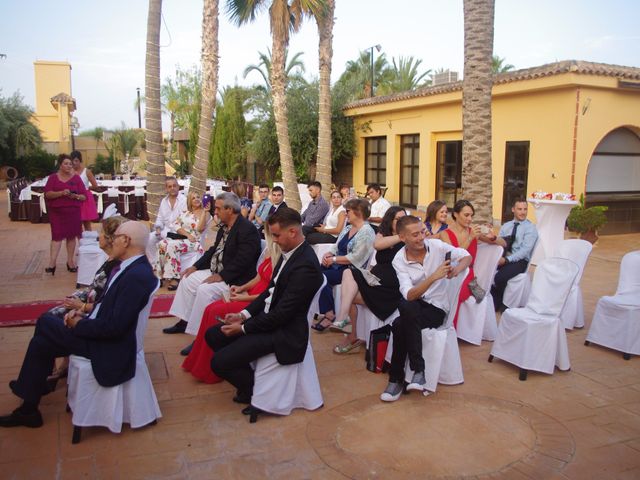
x,y
557,68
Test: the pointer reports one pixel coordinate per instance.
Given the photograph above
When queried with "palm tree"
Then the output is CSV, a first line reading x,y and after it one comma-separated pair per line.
x,y
357,74
209,88
325,55
284,17
476,106
264,67
153,112
404,76
498,65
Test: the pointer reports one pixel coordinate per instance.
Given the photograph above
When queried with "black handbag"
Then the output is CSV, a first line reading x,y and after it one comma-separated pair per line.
x,y
176,236
378,343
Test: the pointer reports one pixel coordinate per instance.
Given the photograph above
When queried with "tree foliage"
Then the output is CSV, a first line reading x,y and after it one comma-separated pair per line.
x,y
498,65
18,136
228,152
403,75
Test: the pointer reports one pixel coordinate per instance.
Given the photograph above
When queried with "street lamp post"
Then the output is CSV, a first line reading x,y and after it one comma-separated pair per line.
x,y
139,116
378,48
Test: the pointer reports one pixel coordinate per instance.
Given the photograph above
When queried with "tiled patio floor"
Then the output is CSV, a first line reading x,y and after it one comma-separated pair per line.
x,y
581,424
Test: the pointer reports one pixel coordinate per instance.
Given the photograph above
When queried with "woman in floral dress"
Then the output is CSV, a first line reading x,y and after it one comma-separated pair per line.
x,y
190,225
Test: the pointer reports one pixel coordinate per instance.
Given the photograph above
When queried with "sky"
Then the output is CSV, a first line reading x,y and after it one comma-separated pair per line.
x,y
105,41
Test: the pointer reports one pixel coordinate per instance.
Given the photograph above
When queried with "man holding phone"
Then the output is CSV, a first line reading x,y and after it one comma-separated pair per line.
x,y
423,267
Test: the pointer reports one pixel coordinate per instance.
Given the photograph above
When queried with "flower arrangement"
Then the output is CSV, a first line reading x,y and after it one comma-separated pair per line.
x,y
540,195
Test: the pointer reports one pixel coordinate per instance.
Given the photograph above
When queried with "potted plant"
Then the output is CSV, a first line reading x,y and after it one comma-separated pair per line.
x,y
587,221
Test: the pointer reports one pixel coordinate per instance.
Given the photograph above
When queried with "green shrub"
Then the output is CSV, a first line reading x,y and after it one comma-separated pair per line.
x,y
38,164
103,164
583,219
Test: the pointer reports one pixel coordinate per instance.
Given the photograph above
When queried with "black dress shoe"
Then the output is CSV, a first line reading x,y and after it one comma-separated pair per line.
x,y
186,350
244,399
19,419
179,327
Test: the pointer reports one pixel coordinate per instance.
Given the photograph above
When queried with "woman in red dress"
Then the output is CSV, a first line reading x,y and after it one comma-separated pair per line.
x,y
64,192
463,235
198,362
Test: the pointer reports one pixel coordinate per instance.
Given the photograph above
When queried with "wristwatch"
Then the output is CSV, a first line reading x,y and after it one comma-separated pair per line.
x,y
334,259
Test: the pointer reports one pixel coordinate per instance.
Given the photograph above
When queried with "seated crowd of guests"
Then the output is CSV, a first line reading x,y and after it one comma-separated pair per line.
x,y
248,294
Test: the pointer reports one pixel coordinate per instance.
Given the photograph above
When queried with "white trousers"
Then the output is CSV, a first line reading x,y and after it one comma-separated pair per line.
x,y
193,296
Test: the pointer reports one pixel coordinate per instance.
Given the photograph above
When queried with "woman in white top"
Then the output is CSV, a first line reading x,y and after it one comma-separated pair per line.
x,y
333,223
88,209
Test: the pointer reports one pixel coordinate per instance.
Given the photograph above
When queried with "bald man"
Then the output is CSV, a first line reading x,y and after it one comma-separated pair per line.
x,y
107,336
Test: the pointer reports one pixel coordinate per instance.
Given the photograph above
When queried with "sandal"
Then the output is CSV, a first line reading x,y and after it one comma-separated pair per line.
x,y
352,347
343,325
320,327
173,285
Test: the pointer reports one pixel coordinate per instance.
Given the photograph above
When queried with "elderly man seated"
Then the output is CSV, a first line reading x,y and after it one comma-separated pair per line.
x,y
107,336
230,261
517,237
423,267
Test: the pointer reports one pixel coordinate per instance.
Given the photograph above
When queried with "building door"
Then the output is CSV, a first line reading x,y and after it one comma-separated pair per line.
x,y
516,170
409,164
449,172
613,180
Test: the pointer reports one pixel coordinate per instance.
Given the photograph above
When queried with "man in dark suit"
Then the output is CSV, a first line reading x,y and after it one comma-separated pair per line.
x,y
230,261
275,322
107,336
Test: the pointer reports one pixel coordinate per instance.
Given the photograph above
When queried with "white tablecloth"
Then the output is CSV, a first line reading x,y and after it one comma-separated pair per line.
x,y
551,216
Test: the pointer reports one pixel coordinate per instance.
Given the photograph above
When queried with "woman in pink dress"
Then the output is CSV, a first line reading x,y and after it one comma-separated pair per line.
x,y
64,194
463,235
88,210
198,362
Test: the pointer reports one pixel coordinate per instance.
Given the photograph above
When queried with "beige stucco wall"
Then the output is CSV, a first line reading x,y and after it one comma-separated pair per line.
x,y
52,78
541,111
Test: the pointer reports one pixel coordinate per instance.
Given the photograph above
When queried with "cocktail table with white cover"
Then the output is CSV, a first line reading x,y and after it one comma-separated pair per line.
x,y
279,388
133,402
577,251
532,337
616,321
551,216
477,321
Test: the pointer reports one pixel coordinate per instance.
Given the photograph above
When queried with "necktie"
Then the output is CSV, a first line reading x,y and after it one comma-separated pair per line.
x,y
512,237
272,210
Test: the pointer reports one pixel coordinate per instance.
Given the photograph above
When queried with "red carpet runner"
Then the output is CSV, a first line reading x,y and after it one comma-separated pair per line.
x,y
19,314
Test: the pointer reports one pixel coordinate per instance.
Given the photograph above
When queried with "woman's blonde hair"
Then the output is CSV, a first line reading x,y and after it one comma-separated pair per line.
x,y
110,225
190,200
272,247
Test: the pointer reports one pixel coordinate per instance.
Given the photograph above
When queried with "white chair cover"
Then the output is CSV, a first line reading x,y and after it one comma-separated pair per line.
x,y
477,321
440,346
279,388
517,291
578,252
616,321
90,257
133,402
533,337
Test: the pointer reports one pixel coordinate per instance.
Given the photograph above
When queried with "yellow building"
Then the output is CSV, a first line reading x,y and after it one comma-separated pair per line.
x,y
570,126
54,105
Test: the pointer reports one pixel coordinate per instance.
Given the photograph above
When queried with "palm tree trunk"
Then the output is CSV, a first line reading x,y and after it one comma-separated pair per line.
x,y
476,106
278,85
209,88
325,51
172,130
153,113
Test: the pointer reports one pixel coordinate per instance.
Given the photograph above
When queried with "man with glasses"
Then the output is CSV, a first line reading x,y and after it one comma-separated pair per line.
x,y
107,336
260,210
230,261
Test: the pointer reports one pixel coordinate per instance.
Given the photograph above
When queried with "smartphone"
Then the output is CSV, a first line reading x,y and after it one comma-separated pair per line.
x,y
206,201
447,256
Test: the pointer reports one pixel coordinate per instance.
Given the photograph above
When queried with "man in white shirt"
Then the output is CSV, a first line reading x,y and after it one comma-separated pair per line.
x,y
170,208
379,205
423,272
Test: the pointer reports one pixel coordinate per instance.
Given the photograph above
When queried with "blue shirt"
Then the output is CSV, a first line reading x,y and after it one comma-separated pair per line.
x,y
526,238
262,211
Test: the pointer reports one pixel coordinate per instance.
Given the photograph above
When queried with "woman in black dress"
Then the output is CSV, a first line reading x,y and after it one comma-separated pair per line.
x,y
378,289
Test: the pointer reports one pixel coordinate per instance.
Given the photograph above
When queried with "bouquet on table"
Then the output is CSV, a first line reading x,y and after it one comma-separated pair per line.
x,y
565,197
